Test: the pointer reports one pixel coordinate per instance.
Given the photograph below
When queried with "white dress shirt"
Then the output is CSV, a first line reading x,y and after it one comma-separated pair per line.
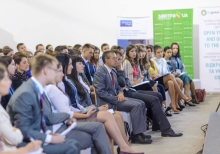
x,y
40,88
60,100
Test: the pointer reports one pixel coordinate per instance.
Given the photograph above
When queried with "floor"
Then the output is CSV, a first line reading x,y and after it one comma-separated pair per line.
x,y
188,122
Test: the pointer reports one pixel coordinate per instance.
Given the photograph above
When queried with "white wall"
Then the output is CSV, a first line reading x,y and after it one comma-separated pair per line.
x,y
76,21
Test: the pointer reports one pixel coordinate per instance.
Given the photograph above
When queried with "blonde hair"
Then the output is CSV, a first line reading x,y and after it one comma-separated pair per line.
x,y
41,61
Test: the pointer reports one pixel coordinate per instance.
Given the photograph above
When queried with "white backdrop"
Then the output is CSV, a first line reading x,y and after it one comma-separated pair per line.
x,y
73,21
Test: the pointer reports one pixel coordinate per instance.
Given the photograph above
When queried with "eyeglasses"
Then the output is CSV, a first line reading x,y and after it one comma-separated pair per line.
x,y
56,70
114,58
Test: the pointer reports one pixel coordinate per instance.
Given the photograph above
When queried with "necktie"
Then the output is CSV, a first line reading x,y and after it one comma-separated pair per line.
x,y
112,76
43,122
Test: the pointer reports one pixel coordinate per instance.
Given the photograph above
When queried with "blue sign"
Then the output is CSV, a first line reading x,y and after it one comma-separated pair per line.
x,y
126,23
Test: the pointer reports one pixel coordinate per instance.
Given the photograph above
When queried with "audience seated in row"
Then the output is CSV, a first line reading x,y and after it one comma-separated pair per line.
x,y
113,76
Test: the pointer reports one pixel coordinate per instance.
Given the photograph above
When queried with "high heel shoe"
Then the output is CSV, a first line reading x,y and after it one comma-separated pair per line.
x,y
189,103
181,106
167,112
175,110
189,99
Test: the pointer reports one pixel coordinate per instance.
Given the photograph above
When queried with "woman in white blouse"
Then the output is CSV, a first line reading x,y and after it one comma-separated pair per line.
x,y
168,80
10,136
63,102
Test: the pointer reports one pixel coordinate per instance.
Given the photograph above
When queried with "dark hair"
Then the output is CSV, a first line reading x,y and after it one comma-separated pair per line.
x,y
64,61
127,57
0,50
19,44
71,52
117,52
151,63
77,46
18,57
47,47
6,60
74,76
104,44
105,55
38,46
178,53
156,47
93,60
165,49
2,71
60,48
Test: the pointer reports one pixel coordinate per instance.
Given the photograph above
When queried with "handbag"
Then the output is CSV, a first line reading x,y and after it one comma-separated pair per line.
x,y
200,94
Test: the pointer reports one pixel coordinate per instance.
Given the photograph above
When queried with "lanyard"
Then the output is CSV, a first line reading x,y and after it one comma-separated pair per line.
x,y
75,92
11,91
178,62
39,93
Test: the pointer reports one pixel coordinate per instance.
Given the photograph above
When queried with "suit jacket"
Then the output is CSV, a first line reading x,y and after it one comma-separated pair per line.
x,y
122,80
106,92
24,111
51,117
174,63
89,71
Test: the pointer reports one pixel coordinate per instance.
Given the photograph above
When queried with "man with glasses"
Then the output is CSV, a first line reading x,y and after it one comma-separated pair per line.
x,y
26,108
108,91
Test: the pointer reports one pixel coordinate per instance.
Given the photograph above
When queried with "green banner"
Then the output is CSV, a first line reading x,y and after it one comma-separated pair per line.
x,y
176,26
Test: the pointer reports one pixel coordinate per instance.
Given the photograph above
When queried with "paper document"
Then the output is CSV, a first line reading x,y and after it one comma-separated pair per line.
x,y
140,83
69,129
182,73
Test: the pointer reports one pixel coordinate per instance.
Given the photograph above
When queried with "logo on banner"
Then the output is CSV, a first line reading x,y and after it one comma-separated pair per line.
x,y
204,12
126,23
172,16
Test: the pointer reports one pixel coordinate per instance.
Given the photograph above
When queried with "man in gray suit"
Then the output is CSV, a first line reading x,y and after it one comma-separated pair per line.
x,y
98,139
26,110
108,91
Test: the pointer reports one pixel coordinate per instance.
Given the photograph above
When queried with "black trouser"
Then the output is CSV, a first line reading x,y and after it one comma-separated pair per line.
x,y
153,105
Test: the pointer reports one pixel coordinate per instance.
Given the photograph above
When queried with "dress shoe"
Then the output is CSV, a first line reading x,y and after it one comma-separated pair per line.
x,y
121,152
195,101
155,129
140,139
145,136
167,113
170,133
189,103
